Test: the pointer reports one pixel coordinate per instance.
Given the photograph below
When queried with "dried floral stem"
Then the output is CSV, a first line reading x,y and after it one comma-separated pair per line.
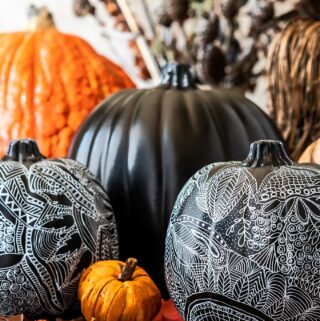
x,y
146,53
275,21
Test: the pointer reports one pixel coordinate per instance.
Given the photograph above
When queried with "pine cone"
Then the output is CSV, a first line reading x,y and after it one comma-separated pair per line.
x,y
211,30
211,67
262,14
308,9
230,8
83,7
177,9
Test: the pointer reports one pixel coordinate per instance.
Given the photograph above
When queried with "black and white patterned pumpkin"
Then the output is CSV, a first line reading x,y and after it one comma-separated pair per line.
x,y
55,220
243,241
144,144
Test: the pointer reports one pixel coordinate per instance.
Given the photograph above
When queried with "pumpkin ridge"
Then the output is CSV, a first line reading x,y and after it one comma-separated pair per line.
x,y
97,129
88,54
85,283
9,65
8,76
162,178
110,310
212,119
41,78
97,132
5,72
53,37
96,65
109,299
31,83
242,115
65,78
129,119
64,43
93,309
20,62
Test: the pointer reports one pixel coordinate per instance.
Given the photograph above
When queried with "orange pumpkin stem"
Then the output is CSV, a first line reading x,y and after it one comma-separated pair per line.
x,y
128,269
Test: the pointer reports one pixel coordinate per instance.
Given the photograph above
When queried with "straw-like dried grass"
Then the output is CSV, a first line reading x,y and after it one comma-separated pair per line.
x,y
293,77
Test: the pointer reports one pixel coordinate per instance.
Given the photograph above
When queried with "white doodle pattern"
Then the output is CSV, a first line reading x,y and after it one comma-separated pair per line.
x,y
55,220
254,243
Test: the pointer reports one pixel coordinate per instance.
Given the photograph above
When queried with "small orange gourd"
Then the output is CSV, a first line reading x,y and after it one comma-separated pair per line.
x,y
117,291
49,82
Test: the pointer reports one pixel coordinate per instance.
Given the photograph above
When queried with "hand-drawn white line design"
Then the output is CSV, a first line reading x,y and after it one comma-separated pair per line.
x,y
55,220
242,248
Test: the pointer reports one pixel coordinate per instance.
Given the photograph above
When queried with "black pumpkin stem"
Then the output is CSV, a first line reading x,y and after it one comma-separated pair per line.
x,y
267,153
128,270
24,151
177,76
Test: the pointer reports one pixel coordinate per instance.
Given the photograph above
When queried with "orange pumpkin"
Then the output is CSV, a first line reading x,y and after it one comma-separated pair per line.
x,y
118,291
311,153
49,82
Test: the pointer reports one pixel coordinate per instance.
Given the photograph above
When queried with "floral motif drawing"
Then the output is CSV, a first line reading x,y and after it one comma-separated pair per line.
x,y
55,220
245,245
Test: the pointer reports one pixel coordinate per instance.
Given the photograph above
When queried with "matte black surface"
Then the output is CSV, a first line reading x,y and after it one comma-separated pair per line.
x,y
144,144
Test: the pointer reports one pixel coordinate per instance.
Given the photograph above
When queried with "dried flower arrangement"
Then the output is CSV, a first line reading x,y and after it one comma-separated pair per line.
x,y
208,34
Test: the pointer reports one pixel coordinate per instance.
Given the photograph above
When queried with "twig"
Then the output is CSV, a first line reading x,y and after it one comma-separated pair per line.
x,y
149,18
275,21
146,53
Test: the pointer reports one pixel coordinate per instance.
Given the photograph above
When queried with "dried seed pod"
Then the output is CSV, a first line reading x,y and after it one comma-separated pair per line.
x,y
230,8
263,13
177,9
308,9
83,7
211,67
241,71
233,51
211,30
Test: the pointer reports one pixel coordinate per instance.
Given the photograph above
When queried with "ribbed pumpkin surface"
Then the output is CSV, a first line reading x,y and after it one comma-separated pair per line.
x,y
49,81
104,297
144,145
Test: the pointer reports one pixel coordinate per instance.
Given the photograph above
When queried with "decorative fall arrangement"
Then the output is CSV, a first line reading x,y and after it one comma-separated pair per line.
x,y
244,240
55,220
49,82
118,291
243,237
143,145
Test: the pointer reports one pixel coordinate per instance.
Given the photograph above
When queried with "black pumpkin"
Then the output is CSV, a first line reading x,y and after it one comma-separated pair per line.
x,y
144,144
243,241
55,220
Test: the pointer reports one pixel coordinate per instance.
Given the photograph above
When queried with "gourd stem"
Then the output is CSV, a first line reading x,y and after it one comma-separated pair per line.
x,y
40,18
177,76
24,151
267,153
128,270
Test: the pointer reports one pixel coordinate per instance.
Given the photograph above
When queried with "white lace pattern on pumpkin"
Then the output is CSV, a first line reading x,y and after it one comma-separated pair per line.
x,y
250,248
